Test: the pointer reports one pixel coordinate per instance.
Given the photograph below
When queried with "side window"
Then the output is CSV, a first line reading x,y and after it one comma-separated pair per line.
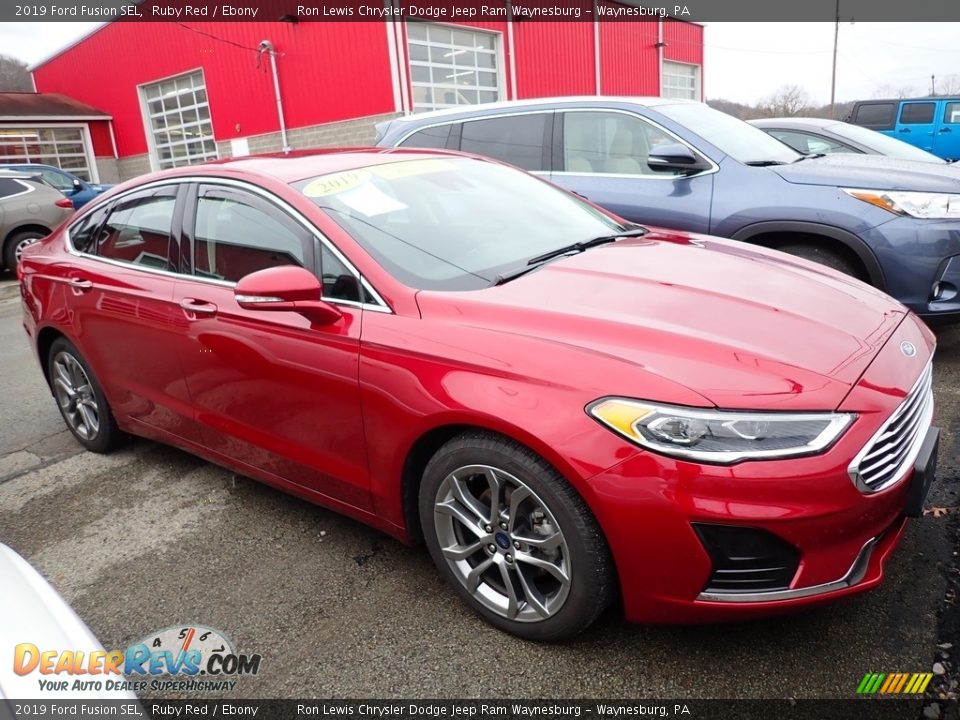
x,y
84,234
432,137
917,113
518,140
10,187
237,234
878,116
951,113
61,182
339,283
138,230
806,143
610,143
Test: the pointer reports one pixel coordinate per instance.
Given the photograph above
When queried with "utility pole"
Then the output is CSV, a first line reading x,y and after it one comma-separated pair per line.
x,y
933,86
833,80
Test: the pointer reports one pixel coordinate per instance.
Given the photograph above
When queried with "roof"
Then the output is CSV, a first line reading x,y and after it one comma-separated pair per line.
x,y
645,101
46,106
796,122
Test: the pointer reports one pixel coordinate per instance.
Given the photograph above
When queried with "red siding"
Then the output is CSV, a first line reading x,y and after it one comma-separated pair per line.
x,y
100,137
554,58
628,58
328,71
684,42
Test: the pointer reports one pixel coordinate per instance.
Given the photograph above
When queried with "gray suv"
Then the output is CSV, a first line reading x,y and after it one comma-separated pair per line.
x,y
674,163
29,210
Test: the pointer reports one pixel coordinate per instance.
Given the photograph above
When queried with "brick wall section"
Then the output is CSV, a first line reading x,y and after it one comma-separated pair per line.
x,y
109,170
348,133
130,167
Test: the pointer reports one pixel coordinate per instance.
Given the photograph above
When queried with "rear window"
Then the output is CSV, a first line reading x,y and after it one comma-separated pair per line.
x,y
917,113
878,116
518,140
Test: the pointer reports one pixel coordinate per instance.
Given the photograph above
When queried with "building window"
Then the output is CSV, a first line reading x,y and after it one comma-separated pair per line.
x,y
681,81
451,66
62,147
178,119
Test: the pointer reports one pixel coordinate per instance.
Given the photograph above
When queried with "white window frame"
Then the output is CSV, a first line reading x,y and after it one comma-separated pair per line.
x,y
84,129
697,81
498,55
145,115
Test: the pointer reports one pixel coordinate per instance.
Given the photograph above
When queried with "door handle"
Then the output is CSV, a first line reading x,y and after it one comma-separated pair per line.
x,y
943,130
198,307
905,130
80,284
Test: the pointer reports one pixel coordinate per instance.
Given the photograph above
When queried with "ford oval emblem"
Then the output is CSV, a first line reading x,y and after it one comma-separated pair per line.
x,y
908,348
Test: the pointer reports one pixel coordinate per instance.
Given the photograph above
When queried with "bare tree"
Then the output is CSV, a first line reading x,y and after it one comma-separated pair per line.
x,y
890,91
788,100
14,75
948,85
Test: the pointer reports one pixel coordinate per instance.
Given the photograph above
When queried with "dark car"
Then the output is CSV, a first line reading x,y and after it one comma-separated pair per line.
x,y
824,136
682,164
76,188
564,407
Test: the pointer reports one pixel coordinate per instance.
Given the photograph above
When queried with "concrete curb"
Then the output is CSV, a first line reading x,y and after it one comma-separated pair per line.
x,y
9,289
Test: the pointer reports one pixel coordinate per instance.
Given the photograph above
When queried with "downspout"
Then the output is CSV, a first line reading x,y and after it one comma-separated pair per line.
x,y
511,50
660,45
267,47
597,56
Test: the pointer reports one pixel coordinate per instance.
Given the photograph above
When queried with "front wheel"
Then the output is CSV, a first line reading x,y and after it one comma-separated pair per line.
x,y
513,538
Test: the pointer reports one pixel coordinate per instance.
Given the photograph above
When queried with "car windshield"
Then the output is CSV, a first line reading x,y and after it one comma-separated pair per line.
x,y
739,140
453,223
883,144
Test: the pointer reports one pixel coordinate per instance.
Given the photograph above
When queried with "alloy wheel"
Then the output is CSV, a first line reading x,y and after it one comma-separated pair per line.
x,y
502,543
75,395
21,246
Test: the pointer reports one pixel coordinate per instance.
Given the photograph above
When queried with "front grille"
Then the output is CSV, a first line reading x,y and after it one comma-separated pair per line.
x,y
747,560
888,455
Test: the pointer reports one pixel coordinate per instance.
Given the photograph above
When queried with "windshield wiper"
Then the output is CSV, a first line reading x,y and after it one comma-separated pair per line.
x,y
586,244
764,163
537,262
810,156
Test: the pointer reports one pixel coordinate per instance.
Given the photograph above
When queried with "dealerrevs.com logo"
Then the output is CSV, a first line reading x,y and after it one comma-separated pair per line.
x,y
177,658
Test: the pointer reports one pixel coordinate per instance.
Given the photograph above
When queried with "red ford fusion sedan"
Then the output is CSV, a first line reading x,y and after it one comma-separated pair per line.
x,y
564,407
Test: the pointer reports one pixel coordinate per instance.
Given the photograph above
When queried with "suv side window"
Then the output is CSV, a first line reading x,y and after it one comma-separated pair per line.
x,y
10,187
518,139
431,137
610,143
237,233
951,113
84,234
139,230
917,113
878,116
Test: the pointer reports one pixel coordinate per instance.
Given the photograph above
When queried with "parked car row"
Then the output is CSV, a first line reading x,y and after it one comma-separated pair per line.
x,y
891,222
565,405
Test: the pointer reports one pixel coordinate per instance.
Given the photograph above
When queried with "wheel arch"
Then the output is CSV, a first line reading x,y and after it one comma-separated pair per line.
x,y
33,227
775,234
45,339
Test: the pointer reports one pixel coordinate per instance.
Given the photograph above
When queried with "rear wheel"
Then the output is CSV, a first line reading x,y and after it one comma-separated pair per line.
x,y
823,256
513,538
80,398
13,249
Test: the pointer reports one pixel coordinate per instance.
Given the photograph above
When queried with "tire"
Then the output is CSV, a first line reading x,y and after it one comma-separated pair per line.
x,y
552,552
15,244
823,256
80,399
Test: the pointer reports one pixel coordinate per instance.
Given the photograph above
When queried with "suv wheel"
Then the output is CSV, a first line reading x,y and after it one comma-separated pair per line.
x,y
13,250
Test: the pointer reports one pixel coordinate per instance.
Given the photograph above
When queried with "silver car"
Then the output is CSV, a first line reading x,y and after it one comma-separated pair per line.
x,y
29,210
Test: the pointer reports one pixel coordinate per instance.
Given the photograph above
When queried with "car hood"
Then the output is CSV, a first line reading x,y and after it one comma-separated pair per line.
x,y
872,171
742,327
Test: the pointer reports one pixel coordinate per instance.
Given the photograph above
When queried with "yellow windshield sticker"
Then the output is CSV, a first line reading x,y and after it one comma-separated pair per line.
x,y
391,171
336,183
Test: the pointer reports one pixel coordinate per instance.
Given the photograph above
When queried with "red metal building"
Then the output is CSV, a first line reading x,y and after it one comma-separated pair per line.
x,y
185,92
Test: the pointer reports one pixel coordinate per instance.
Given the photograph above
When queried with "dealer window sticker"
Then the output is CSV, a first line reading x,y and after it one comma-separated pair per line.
x,y
336,183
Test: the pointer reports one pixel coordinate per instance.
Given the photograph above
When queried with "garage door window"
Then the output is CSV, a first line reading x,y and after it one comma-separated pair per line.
x,y
62,147
178,120
450,66
680,81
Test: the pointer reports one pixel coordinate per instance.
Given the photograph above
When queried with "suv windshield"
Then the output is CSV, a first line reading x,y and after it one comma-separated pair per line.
x,y
739,140
453,223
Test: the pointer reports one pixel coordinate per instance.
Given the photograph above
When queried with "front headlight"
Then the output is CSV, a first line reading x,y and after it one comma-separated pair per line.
x,y
930,206
718,436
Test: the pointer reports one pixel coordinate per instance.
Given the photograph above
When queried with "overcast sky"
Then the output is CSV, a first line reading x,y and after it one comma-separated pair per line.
x,y
744,61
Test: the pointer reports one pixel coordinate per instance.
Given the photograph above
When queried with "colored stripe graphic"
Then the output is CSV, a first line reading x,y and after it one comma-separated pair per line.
x,y
894,683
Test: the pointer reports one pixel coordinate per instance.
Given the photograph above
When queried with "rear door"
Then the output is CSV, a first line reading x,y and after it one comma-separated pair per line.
x,y
271,390
946,143
917,123
602,155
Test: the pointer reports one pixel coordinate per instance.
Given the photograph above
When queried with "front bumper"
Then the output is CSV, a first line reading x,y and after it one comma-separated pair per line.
x,y
651,508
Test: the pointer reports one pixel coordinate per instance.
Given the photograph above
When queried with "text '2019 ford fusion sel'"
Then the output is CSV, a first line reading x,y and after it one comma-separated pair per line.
x,y
563,406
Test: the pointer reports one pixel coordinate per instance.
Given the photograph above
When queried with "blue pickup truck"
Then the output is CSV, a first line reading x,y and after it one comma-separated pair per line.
x,y
932,124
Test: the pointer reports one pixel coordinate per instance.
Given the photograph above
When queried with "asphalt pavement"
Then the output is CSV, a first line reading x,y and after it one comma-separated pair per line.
x,y
150,537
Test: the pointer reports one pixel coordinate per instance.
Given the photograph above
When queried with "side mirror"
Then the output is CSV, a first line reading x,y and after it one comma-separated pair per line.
x,y
674,157
288,288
